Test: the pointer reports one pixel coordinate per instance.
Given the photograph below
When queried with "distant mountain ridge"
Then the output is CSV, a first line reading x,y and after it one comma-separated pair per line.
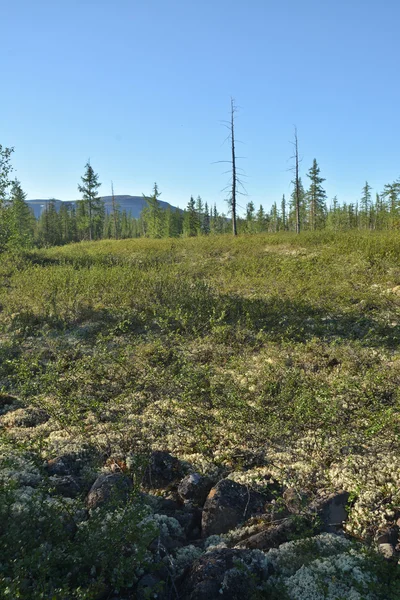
x,y
132,204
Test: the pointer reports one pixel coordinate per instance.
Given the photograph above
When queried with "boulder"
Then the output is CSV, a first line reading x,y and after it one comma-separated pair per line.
x,y
194,489
81,465
162,470
228,504
271,537
332,511
190,521
151,586
188,516
222,574
65,485
111,489
70,463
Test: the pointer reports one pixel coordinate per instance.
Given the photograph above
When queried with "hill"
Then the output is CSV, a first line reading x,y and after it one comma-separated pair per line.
x,y
132,204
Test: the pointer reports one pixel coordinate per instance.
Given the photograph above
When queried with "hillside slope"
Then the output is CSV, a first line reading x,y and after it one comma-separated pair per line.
x,y
132,204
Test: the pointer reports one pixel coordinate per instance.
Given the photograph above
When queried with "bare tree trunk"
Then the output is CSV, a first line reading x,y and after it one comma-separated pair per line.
x,y
234,175
296,180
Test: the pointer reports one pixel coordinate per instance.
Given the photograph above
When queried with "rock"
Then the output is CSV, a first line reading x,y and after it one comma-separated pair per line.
x,y
65,485
228,504
162,470
194,489
150,586
332,511
62,465
272,537
74,464
190,521
112,488
214,576
165,506
189,517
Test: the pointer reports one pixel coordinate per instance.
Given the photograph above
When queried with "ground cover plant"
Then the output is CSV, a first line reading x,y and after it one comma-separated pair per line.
x,y
266,354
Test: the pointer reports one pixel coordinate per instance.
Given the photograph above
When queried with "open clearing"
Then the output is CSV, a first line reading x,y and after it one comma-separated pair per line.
x,y
260,355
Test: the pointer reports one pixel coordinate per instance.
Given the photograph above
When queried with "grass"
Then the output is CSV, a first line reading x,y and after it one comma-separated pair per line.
x,y
275,353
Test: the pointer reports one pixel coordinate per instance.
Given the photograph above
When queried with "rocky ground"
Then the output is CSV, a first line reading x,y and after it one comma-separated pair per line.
x,y
212,536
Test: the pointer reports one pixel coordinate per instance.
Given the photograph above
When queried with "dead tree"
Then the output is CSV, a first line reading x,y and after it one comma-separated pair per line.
x,y
296,181
235,182
234,172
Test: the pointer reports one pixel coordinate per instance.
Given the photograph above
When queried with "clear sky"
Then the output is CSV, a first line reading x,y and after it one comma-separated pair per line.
x,y
142,87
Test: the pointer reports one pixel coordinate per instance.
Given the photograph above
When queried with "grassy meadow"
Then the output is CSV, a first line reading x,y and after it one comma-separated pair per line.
x,y
260,354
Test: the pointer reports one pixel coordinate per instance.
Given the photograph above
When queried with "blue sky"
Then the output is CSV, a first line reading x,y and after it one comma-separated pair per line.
x,y
142,88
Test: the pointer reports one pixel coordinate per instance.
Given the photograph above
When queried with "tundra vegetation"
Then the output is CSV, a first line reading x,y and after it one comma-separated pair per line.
x,y
257,357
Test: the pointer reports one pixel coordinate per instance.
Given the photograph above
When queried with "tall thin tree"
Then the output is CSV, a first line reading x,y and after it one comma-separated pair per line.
x,y
92,204
296,181
234,172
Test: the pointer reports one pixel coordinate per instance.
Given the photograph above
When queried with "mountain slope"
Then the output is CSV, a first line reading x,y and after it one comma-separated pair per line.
x,y
132,204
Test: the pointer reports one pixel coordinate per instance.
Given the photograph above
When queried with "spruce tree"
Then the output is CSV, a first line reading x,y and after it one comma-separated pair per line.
x,y
21,219
391,192
190,221
92,213
49,225
297,197
200,214
333,220
261,220
274,218
206,220
153,214
381,213
250,217
316,197
365,207
65,223
283,213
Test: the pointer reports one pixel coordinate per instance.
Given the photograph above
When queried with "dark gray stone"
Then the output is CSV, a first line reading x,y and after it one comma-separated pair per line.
x,y
228,504
194,489
150,586
110,489
162,470
65,485
332,511
207,578
272,537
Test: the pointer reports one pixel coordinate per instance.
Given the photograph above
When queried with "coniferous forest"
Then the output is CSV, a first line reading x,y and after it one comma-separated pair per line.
x,y
89,220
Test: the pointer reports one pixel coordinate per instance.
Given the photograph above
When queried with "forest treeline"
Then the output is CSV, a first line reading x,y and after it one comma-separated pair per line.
x,y
88,219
